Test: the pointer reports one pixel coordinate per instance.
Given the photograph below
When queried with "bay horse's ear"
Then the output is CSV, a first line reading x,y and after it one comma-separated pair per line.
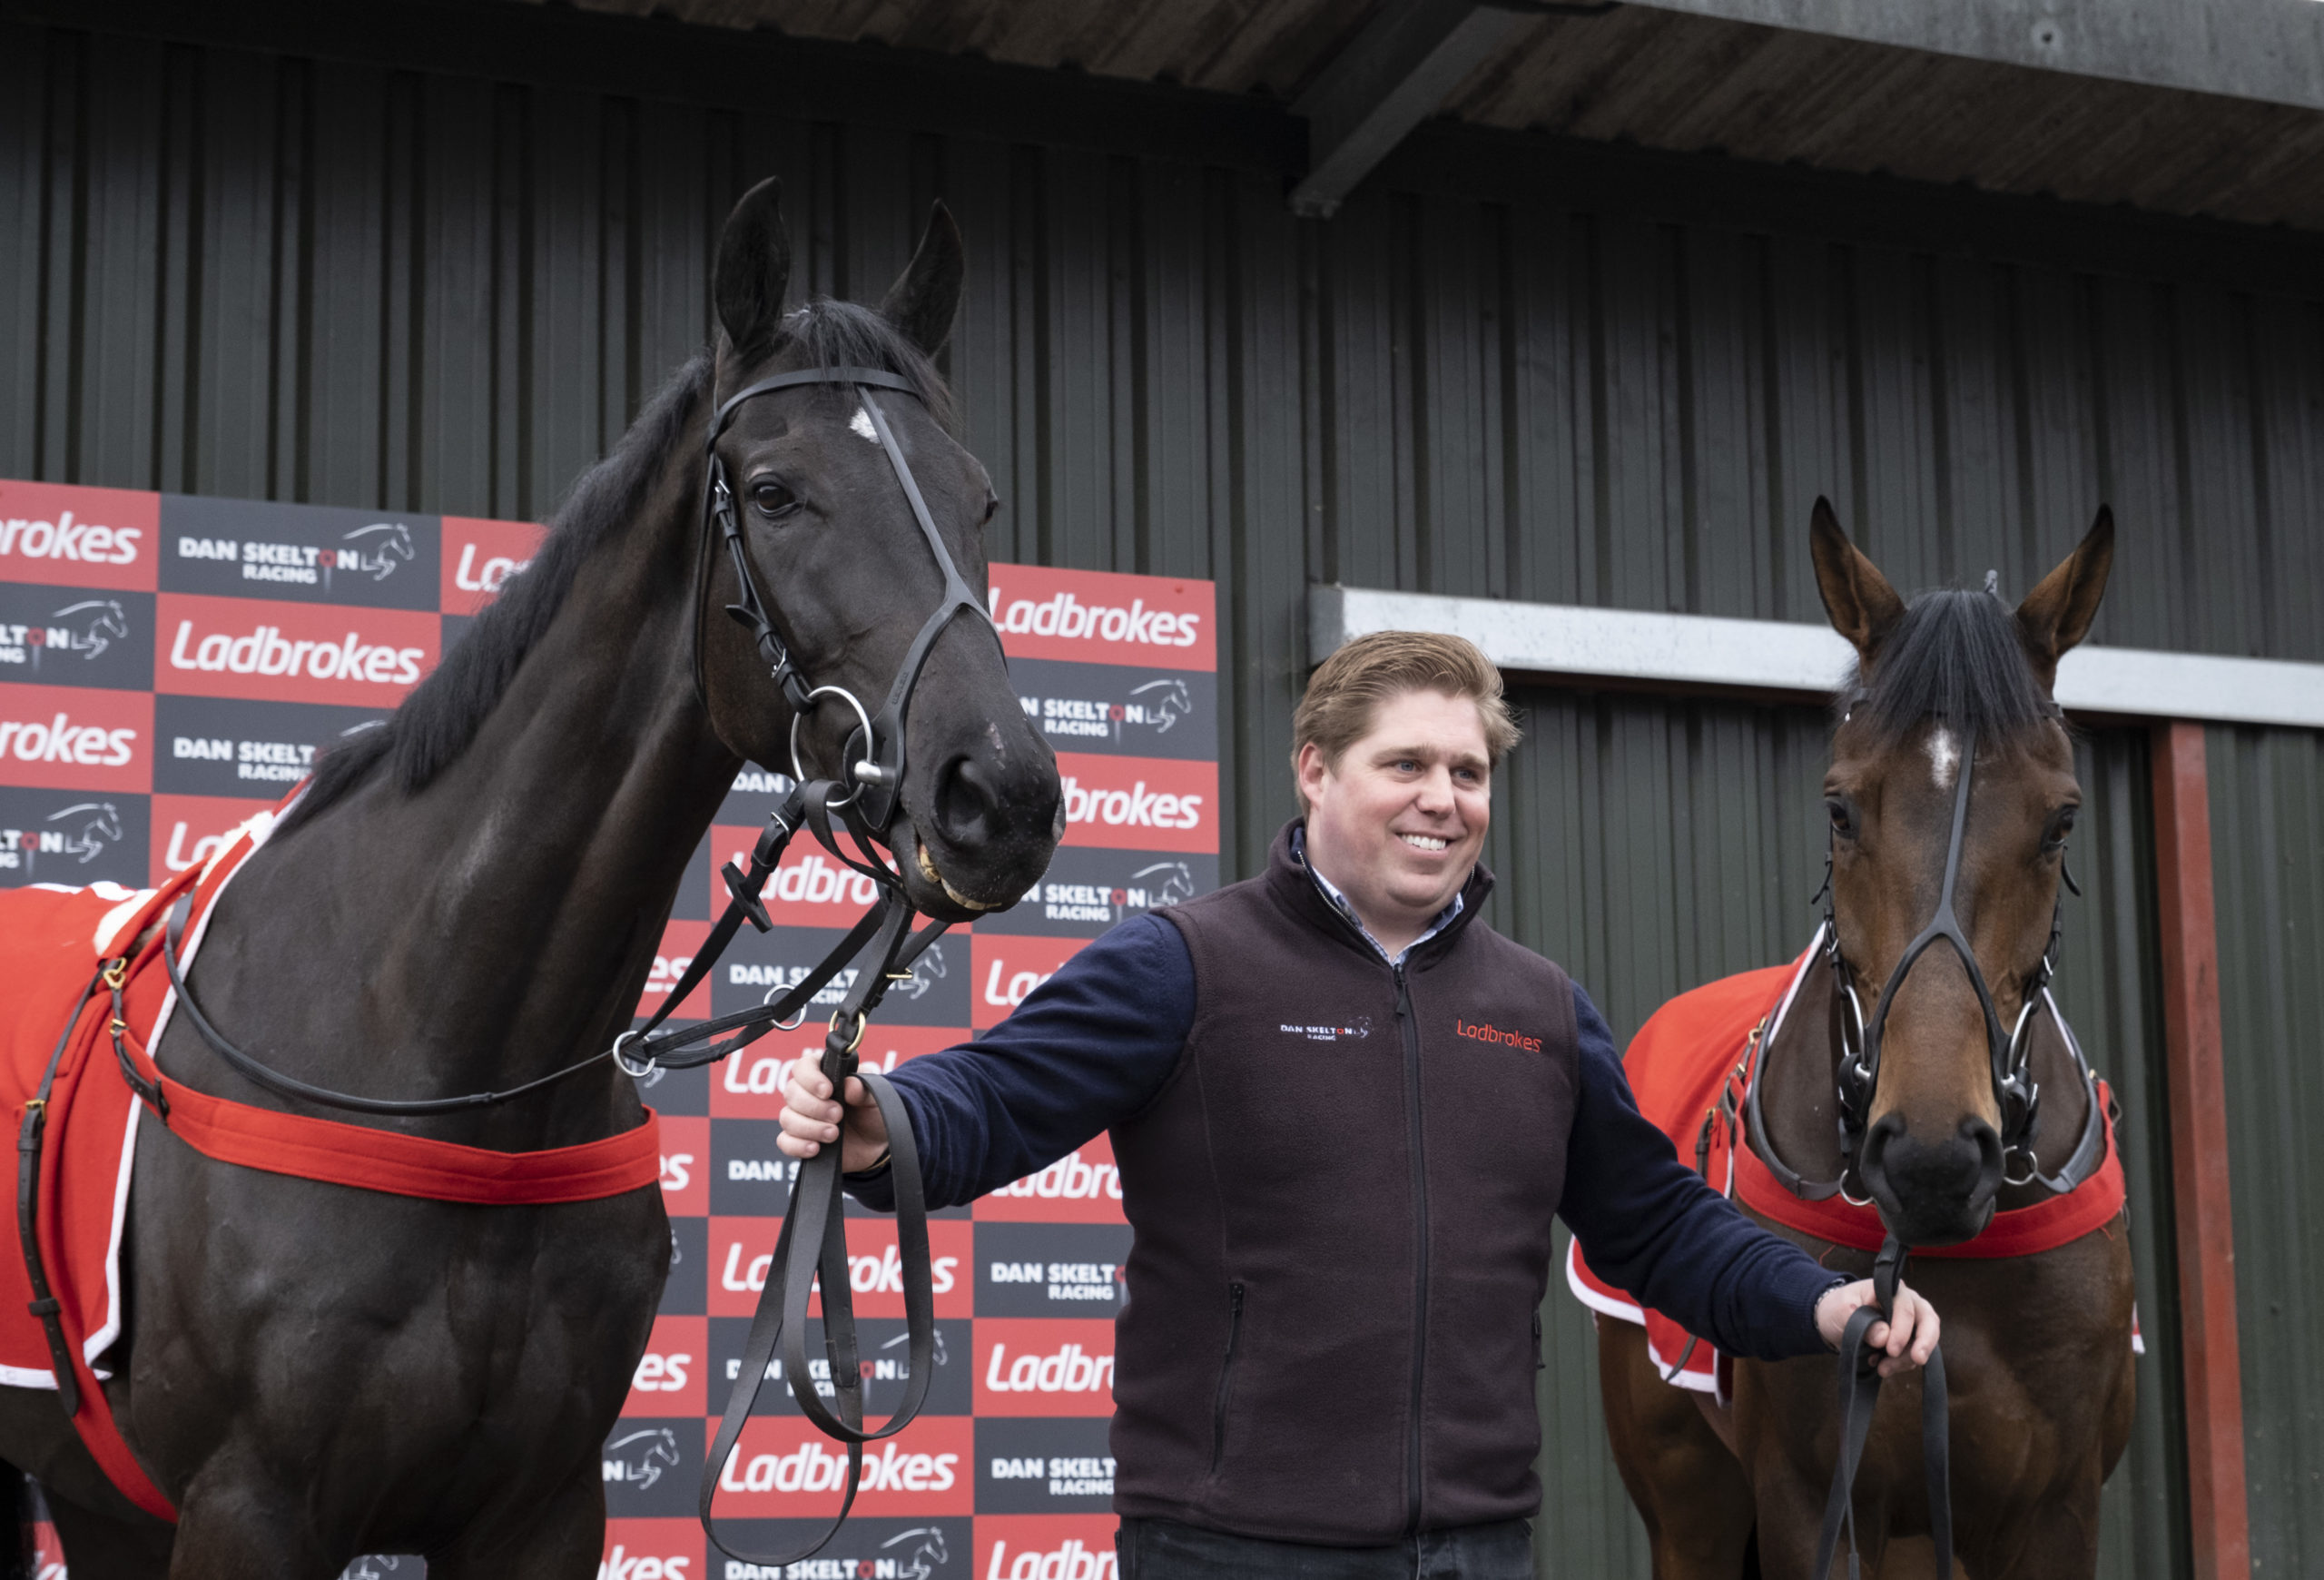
x,y
1862,605
753,270
2056,615
927,294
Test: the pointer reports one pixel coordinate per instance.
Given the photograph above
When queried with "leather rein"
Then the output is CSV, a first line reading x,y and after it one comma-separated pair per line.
x,y
812,1246
2018,1098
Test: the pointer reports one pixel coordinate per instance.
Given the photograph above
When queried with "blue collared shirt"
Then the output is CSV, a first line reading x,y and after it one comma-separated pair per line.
x,y
1331,890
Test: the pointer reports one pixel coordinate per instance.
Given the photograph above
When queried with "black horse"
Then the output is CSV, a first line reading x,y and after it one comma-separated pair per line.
x,y
470,897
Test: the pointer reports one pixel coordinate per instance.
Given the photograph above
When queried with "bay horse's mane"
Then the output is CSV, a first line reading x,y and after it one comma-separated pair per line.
x,y
1956,657
441,716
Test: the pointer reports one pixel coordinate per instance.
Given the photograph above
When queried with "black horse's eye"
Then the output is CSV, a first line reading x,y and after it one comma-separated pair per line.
x,y
2054,837
772,499
1843,818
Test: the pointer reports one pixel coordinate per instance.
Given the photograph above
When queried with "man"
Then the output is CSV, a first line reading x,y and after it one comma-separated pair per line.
x,y
1344,1111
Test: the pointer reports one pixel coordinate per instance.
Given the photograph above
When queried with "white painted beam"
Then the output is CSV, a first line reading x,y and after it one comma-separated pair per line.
x,y
1688,651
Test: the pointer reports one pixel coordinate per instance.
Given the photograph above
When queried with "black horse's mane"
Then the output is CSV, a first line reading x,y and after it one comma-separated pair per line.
x,y
439,719
1956,655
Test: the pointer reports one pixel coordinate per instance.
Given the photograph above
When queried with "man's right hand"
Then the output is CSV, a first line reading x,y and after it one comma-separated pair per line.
x,y
810,1119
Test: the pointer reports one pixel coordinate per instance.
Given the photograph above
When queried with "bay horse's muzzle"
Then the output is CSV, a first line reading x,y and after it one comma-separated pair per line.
x,y
1935,1190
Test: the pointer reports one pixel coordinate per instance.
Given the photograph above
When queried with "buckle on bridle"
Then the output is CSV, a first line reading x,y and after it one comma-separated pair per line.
x,y
855,1041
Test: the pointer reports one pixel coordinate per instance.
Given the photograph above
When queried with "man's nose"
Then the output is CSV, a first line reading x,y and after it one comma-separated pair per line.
x,y
1436,790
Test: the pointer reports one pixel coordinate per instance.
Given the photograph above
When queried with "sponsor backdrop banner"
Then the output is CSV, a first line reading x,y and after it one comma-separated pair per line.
x,y
171,664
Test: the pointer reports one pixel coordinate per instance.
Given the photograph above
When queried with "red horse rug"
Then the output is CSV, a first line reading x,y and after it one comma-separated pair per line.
x,y
55,1009
1693,1061
84,996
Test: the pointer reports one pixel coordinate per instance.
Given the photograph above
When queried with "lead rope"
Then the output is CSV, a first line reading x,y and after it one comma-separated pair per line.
x,y
813,1248
1859,1394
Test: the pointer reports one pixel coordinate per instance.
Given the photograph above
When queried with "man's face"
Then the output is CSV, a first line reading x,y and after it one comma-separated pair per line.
x,y
1398,821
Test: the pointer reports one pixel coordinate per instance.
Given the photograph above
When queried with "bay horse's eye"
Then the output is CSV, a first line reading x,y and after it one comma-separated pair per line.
x,y
1843,819
772,499
2054,837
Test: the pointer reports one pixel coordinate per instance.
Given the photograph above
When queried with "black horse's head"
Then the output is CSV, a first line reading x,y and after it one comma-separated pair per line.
x,y
849,577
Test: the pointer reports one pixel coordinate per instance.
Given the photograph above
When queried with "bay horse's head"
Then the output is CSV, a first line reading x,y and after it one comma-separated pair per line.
x,y
1949,724
850,577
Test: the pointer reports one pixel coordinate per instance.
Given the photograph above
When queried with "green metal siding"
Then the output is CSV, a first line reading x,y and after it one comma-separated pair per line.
x,y
432,258
2268,853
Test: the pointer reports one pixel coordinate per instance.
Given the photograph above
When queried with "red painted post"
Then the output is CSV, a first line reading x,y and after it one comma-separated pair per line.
x,y
2198,1101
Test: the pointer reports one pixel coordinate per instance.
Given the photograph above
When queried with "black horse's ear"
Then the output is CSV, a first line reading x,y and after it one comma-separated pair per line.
x,y
2056,615
1863,607
753,269
927,295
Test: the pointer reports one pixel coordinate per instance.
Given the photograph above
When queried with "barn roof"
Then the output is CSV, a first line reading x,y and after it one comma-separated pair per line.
x,y
2174,107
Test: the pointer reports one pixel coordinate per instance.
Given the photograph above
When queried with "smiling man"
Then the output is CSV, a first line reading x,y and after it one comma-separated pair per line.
x,y
1345,1111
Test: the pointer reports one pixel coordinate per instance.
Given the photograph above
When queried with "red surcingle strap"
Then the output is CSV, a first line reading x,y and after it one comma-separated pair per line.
x,y
402,1165
366,1159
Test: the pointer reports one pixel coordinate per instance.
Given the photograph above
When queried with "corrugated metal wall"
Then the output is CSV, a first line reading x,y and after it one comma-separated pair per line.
x,y
2268,853
353,282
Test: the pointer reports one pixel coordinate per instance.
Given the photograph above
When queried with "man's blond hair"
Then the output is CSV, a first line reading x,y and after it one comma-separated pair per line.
x,y
1349,686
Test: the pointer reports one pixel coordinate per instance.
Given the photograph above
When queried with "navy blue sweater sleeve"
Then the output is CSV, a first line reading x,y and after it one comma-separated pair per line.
x,y
1649,1225
1088,1047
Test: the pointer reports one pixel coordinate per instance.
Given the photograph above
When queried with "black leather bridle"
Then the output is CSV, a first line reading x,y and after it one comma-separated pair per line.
x,y
2017,1095
863,804
878,775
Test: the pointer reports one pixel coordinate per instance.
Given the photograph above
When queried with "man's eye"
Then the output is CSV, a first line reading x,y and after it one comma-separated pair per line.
x,y
770,498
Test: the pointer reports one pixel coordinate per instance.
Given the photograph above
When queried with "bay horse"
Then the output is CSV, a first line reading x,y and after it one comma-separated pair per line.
x,y
2038,1345
472,895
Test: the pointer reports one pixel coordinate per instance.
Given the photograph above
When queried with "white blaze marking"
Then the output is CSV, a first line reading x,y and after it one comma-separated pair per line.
x,y
1944,756
861,424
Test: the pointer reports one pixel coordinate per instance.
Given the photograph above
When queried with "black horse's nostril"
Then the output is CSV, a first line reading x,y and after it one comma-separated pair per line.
x,y
968,811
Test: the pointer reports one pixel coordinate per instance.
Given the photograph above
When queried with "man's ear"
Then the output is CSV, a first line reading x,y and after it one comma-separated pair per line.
x,y
1308,767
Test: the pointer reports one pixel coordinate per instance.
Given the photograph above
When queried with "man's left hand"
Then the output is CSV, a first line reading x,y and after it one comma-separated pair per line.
x,y
1908,1335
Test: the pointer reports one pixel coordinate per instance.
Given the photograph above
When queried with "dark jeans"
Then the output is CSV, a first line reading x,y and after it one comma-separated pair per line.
x,y
1155,1549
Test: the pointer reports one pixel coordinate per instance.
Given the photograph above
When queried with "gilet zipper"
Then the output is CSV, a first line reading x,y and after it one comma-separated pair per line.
x,y
1411,1029
1226,1378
